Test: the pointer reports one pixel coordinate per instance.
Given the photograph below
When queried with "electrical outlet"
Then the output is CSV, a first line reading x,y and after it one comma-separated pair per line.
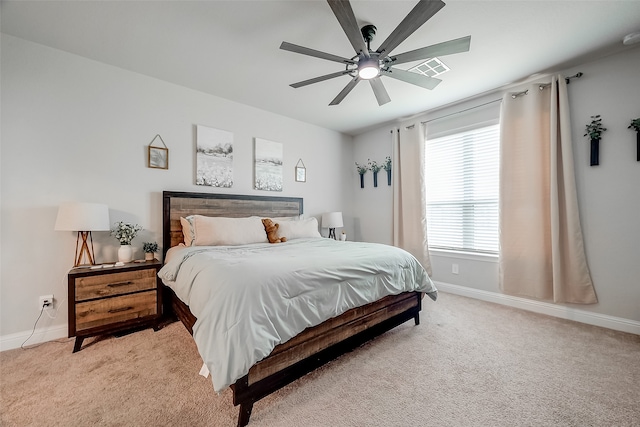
x,y
45,301
454,268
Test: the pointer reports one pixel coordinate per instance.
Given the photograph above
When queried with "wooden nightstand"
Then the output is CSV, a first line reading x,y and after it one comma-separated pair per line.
x,y
113,299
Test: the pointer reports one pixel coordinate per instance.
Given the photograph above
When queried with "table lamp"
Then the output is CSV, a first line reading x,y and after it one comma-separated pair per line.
x,y
83,218
331,220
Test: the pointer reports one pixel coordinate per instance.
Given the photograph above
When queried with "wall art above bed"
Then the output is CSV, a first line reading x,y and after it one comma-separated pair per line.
x,y
268,165
157,157
214,157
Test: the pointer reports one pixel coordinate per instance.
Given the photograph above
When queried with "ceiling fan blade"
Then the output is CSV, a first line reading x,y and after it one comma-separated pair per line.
x,y
378,89
316,53
420,14
440,49
344,13
344,92
319,79
413,78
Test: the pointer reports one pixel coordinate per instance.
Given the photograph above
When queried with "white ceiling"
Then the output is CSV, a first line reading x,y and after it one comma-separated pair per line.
x,y
231,48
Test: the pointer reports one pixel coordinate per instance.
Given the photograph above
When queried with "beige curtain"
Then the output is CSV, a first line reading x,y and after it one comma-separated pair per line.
x,y
409,204
541,245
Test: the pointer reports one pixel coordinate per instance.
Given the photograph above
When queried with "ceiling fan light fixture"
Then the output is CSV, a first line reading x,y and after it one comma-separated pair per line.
x,y
368,72
368,68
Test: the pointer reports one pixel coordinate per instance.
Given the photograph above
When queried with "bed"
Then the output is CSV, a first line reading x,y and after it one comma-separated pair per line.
x,y
283,352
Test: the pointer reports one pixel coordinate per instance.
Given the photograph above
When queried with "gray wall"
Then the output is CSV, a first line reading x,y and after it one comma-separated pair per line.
x,y
608,194
74,129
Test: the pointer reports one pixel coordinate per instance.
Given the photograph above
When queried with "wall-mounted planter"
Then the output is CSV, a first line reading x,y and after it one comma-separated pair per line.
x,y
375,179
389,177
595,152
635,124
362,169
594,130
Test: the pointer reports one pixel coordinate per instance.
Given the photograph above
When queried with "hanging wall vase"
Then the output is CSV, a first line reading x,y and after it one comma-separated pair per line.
x,y
594,131
595,152
635,124
362,169
387,166
375,179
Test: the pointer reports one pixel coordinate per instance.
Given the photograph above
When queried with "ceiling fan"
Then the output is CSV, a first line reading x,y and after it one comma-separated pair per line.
x,y
371,65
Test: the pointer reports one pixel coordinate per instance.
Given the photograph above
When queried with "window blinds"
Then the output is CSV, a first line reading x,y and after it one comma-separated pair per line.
x,y
462,179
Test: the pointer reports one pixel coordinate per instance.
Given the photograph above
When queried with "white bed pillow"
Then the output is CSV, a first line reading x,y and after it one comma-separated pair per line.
x,y
304,228
187,230
222,231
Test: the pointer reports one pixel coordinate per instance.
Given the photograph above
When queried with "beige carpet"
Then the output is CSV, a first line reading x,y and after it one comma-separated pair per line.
x,y
469,363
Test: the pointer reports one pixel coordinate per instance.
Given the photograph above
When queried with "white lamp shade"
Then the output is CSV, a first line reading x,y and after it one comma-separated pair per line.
x,y
332,219
79,216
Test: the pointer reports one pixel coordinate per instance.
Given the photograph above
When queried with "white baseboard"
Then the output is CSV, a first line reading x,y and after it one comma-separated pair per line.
x,y
11,341
561,311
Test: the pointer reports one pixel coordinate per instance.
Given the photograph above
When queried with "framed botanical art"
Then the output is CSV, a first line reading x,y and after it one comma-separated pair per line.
x,y
158,157
301,172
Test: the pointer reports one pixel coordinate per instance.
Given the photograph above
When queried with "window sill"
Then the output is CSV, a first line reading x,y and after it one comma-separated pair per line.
x,y
474,256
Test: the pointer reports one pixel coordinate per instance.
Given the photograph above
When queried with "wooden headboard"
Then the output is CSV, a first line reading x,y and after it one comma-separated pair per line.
x,y
177,204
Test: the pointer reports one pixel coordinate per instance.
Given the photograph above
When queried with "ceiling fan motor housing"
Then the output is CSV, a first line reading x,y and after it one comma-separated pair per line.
x,y
368,33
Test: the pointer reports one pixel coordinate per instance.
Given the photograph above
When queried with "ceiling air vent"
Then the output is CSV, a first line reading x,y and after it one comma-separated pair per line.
x,y
432,67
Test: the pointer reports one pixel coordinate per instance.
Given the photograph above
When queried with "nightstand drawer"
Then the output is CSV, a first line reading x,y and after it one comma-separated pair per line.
x,y
104,285
92,314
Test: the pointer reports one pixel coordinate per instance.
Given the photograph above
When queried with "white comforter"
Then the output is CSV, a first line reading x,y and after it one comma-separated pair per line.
x,y
250,298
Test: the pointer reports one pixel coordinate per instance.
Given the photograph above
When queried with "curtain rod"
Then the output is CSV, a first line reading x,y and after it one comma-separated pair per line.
x,y
462,111
513,95
566,79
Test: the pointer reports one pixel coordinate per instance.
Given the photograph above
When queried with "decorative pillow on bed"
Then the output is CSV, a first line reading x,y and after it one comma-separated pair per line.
x,y
301,229
219,231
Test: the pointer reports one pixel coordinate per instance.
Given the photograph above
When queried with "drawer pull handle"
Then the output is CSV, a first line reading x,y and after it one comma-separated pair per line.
x,y
118,310
116,285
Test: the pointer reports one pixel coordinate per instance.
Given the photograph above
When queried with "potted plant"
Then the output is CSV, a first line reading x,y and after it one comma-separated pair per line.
x,y
635,124
594,131
149,248
125,233
387,166
361,170
375,168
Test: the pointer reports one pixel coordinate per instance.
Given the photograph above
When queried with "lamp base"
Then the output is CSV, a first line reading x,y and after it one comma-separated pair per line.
x,y
332,233
85,251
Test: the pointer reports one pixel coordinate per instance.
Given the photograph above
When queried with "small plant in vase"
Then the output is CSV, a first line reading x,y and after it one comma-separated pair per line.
x,y
635,124
375,168
387,166
362,169
125,233
149,248
594,131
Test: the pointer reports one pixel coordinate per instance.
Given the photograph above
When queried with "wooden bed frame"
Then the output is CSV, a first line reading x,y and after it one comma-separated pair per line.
x,y
311,348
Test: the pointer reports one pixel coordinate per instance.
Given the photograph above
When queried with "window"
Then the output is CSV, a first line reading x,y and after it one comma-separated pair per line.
x,y
462,178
